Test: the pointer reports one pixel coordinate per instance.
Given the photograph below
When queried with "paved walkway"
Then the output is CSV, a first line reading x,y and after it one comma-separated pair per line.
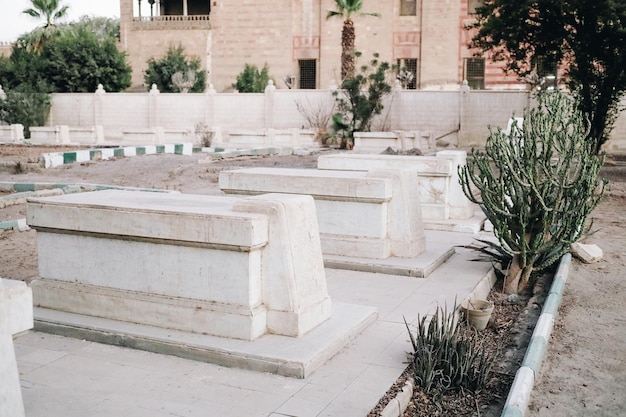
x,y
64,377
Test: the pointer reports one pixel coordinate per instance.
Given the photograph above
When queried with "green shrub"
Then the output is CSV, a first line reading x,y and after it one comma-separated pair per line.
x,y
160,71
251,80
26,106
447,354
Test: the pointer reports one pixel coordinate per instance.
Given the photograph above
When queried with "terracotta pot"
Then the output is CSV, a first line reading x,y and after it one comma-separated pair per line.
x,y
477,313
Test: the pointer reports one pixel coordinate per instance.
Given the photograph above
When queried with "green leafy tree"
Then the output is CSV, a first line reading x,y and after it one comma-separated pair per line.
x,y
537,186
72,61
24,66
252,80
49,10
103,27
360,99
161,71
77,61
345,10
586,37
25,105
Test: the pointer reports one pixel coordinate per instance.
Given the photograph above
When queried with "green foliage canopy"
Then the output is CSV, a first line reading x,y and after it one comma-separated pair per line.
x,y
586,37
360,99
67,59
49,10
77,61
252,80
160,71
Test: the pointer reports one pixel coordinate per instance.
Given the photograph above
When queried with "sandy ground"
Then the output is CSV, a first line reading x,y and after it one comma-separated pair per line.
x,y
584,373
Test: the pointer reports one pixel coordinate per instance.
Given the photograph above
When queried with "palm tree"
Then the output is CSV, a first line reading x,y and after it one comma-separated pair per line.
x,y
49,10
345,10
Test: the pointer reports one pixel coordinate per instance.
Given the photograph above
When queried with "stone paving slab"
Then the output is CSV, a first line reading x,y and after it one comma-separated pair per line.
x,y
66,377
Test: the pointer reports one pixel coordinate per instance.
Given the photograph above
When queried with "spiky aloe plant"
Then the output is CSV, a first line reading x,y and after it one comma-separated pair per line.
x,y
447,354
537,186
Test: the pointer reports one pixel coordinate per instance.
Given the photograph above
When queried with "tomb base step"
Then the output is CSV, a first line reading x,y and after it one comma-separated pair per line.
x,y
296,357
420,266
472,225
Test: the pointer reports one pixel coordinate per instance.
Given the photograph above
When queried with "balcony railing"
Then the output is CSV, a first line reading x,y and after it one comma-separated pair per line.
x,y
171,22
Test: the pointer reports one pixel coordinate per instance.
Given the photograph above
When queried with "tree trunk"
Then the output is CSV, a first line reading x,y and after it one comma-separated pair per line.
x,y
513,275
517,277
347,49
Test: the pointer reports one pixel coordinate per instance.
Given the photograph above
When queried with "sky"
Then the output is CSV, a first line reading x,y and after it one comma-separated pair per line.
x,y
13,22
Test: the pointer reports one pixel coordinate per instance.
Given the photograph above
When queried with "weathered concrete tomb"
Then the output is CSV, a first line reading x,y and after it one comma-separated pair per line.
x,y
374,214
443,204
215,265
234,281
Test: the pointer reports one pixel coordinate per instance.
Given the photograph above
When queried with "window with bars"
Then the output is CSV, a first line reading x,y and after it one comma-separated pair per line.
x,y
308,73
546,68
474,73
408,7
407,73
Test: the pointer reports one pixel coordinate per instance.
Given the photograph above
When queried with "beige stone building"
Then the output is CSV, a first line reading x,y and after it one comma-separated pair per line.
x,y
300,46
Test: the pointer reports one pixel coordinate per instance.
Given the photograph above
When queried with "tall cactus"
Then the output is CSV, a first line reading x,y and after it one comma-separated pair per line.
x,y
537,186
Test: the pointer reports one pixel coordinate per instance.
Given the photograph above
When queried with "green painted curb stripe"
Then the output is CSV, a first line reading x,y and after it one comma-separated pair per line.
x,y
95,154
551,306
69,157
160,149
19,187
11,224
178,149
535,353
140,151
118,152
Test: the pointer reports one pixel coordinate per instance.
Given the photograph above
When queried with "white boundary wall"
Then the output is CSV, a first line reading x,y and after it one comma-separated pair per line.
x,y
461,117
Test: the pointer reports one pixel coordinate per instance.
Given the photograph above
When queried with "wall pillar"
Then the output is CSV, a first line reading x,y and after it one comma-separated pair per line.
x,y
464,134
269,104
153,106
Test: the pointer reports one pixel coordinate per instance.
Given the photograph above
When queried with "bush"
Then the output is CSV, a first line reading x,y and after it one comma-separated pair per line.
x,y
26,106
68,61
77,61
360,99
251,80
537,186
161,71
447,354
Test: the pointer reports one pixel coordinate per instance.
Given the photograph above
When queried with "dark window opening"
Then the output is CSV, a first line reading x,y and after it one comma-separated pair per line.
x,y
308,73
176,7
407,73
474,73
408,7
546,68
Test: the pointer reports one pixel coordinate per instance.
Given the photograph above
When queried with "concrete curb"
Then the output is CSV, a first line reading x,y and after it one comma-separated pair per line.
x,y
19,224
519,396
400,402
54,159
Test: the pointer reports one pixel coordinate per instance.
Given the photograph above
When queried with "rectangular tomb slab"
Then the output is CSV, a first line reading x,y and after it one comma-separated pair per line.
x,y
212,265
374,214
441,196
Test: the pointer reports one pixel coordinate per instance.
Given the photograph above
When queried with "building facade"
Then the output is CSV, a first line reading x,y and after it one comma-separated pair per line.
x,y
301,47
